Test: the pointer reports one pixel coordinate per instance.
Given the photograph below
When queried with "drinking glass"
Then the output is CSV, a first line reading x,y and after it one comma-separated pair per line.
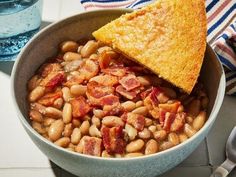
x,y
19,21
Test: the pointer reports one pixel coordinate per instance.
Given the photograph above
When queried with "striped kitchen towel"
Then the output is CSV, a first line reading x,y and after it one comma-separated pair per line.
x,y
221,19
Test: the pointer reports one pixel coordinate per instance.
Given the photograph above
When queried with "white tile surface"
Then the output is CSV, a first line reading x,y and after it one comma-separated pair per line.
x,y
51,10
54,10
30,172
16,148
70,7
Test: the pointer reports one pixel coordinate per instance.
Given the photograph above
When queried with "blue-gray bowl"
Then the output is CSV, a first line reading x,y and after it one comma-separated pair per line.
x,y
45,44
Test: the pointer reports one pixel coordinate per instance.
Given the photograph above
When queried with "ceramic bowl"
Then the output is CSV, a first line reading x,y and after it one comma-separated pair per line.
x,y
45,44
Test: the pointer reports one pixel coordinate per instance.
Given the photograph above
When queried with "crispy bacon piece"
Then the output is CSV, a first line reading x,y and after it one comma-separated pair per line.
x,y
169,118
104,59
113,140
56,80
97,90
107,80
91,145
172,121
89,69
79,107
53,80
145,93
49,98
138,121
49,68
129,82
100,95
129,95
170,107
73,80
179,122
115,71
109,100
115,109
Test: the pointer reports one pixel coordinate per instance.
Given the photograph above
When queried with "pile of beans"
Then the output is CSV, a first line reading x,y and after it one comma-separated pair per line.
x,y
93,100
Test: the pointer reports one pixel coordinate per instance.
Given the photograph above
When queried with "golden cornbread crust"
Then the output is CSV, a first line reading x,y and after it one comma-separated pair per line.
x,y
168,37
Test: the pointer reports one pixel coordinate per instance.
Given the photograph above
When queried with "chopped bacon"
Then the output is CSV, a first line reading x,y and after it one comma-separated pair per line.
x,y
129,95
153,95
79,107
129,82
113,140
138,121
115,71
49,68
73,80
104,59
100,95
115,109
49,98
169,118
172,121
97,90
145,93
107,80
109,100
89,69
53,80
91,145
179,122
170,107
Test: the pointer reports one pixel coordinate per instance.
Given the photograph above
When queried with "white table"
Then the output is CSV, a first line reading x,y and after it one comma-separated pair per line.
x,y
19,157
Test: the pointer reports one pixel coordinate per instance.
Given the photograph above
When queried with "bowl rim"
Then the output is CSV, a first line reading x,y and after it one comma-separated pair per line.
x,y
216,107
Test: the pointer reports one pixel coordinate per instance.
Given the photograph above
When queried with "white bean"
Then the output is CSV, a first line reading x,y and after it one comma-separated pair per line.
x,y
36,93
144,80
67,113
96,121
78,90
36,116
112,121
89,48
69,56
199,121
55,130
141,110
69,46
75,136
131,131
128,106
66,94
38,127
84,128
144,134
98,113
53,112
93,131
160,135
173,138
135,145
134,154
182,137
166,145
188,130
68,130
63,142
58,103
151,147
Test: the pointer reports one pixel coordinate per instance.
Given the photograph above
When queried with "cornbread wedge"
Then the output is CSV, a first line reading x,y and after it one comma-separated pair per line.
x,y
168,37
